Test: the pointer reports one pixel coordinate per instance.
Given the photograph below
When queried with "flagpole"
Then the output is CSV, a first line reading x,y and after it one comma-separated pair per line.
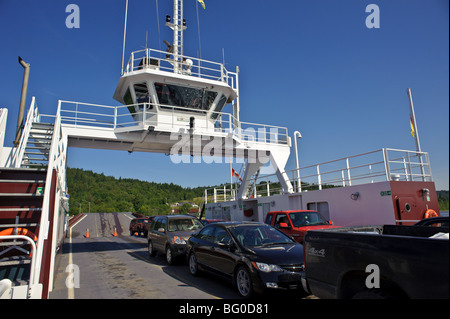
x,y
413,116
416,133
231,178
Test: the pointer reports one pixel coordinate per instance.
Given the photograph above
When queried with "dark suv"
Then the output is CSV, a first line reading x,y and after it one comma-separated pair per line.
x,y
169,235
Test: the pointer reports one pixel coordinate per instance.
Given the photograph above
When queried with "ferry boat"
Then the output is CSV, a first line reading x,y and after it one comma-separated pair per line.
x,y
172,103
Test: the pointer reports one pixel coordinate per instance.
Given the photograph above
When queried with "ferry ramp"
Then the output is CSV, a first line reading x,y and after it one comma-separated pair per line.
x,y
118,267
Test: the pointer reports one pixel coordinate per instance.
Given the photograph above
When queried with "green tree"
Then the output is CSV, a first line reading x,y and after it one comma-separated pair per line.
x,y
185,208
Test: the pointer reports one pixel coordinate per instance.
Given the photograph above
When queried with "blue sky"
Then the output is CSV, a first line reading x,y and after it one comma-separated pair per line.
x,y
309,65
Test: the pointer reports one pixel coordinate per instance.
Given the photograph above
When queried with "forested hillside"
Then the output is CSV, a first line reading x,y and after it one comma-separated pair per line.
x,y
108,194
443,198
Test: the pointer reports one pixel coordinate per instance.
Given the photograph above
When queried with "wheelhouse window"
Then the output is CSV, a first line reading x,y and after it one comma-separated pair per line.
x,y
142,95
141,92
170,95
219,106
128,100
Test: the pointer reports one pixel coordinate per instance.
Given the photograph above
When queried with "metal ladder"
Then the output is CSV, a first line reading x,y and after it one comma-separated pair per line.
x,y
38,146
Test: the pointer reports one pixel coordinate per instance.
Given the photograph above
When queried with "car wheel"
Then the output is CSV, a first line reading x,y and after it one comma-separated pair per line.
x,y
151,250
169,255
131,232
193,265
243,282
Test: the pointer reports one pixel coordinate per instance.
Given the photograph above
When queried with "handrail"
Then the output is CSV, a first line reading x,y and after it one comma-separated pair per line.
x,y
395,164
33,278
153,114
56,161
16,156
165,61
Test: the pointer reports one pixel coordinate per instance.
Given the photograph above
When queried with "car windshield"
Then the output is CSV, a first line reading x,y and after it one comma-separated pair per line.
x,y
184,224
300,219
259,235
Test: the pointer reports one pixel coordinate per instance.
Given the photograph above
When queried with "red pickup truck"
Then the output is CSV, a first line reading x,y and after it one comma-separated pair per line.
x,y
296,223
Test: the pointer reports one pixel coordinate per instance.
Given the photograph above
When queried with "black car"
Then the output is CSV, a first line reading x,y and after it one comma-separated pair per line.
x,y
254,256
168,234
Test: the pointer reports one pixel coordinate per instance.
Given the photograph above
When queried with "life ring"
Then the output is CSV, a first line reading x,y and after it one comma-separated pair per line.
x,y
20,231
430,213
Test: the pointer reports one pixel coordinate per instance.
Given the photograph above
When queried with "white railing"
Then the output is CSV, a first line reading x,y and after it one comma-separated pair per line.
x,y
16,155
15,244
164,61
162,116
57,157
381,165
219,194
3,118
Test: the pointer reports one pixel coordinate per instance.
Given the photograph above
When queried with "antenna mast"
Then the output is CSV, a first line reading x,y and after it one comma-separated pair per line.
x,y
124,35
178,26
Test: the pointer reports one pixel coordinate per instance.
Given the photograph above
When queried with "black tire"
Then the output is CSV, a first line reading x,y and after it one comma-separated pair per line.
x,y
150,249
169,255
193,265
243,281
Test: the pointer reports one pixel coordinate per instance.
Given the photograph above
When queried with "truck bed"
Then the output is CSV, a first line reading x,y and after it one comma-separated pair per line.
x,y
411,264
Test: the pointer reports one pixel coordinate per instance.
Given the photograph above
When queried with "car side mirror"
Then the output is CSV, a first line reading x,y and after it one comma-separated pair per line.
x,y
227,244
223,245
224,242
161,230
284,225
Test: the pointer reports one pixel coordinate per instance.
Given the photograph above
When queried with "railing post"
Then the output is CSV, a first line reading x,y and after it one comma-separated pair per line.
x,y
386,164
370,173
348,173
115,117
143,114
405,168
319,178
422,168
409,167
76,114
429,167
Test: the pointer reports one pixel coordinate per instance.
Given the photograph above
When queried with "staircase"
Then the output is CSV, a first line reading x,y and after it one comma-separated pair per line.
x,y
33,207
38,146
21,199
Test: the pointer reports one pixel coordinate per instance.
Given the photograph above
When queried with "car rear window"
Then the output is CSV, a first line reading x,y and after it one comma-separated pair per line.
x,y
184,224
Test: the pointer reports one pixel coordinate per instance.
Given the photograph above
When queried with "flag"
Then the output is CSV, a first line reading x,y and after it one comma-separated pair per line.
x,y
234,173
412,126
202,3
